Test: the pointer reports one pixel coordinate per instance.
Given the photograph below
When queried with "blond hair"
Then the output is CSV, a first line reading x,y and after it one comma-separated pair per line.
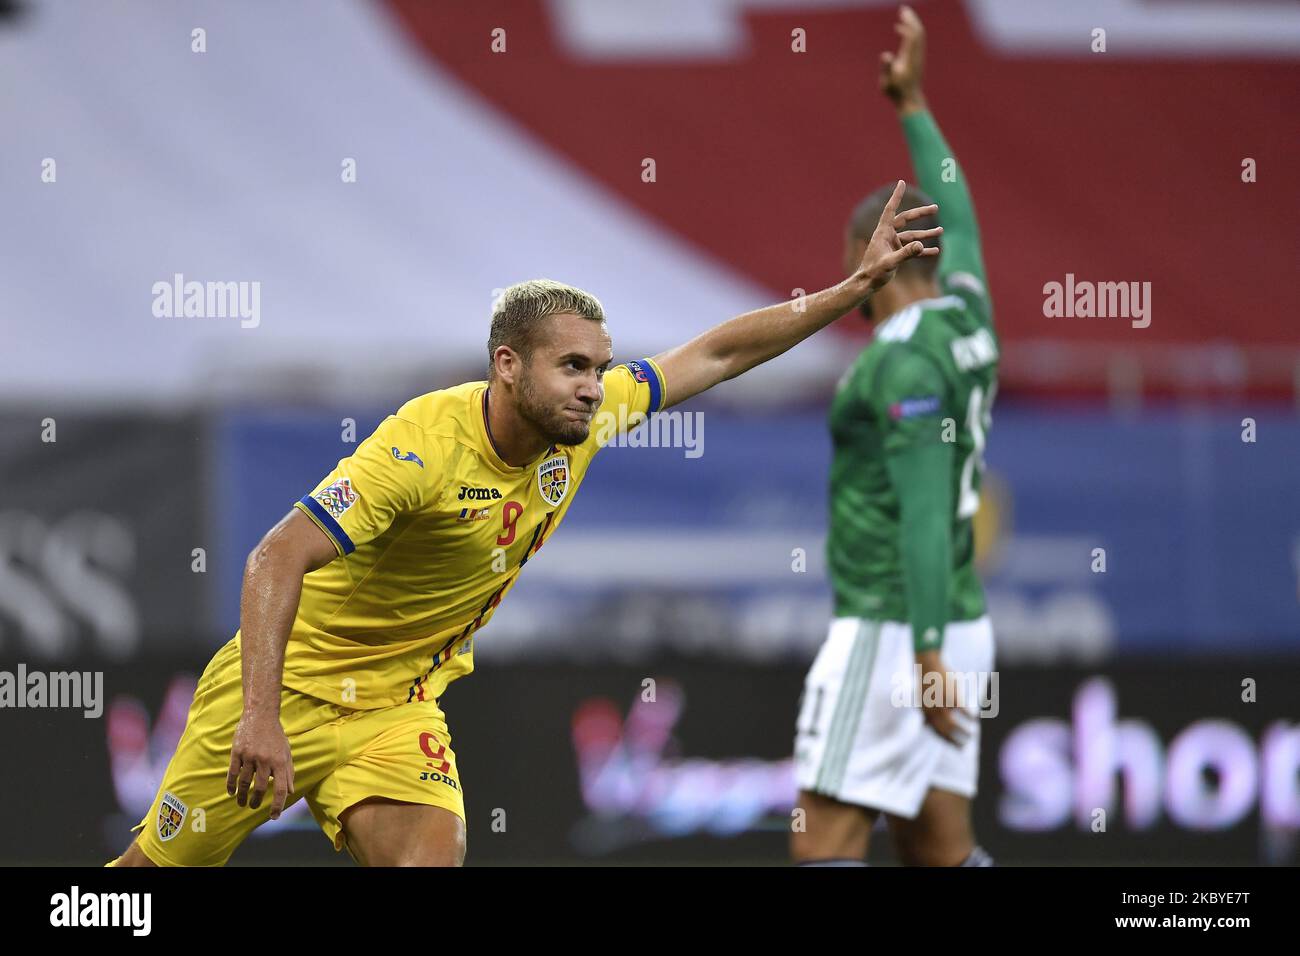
x,y
518,314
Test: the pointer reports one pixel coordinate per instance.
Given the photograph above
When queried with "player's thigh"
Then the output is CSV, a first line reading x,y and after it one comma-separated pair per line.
x,y
134,856
824,828
380,802
188,823
954,779
384,832
193,821
862,745
941,833
831,707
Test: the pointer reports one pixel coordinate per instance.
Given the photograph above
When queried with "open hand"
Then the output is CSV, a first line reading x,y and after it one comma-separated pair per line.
x,y
888,248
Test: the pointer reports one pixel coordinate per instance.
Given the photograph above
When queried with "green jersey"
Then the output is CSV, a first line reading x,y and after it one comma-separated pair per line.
x,y
909,424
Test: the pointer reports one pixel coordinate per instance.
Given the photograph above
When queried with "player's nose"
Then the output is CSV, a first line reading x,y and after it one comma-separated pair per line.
x,y
589,391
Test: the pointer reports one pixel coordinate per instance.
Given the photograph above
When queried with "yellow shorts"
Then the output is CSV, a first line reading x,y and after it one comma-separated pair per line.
x,y
340,757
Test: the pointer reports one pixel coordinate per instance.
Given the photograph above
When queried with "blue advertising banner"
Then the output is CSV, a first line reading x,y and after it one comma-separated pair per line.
x,y
1168,532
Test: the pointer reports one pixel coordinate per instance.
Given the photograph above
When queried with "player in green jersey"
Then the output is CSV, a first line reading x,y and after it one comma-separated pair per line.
x,y
889,718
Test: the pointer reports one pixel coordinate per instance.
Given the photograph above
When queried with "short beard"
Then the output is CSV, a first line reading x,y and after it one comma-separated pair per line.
x,y
558,429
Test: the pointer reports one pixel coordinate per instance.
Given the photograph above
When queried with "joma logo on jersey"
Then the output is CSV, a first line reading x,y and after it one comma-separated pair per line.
x,y
553,479
478,494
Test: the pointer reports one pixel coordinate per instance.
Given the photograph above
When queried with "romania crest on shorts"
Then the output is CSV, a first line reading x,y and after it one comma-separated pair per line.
x,y
171,814
553,479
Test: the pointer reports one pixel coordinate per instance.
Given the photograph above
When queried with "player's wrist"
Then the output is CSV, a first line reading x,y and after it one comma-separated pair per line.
x,y
859,286
909,103
929,646
258,710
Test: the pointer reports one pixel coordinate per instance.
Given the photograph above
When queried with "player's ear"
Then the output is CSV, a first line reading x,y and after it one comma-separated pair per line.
x,y
506,362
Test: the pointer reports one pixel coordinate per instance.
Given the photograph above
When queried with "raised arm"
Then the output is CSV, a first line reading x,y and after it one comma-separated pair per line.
x,y
736,346
933,162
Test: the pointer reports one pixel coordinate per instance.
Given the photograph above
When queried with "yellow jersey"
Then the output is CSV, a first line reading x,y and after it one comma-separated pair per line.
x,y
432,530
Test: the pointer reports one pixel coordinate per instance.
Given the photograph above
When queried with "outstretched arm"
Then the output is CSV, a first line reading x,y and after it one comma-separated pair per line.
x,y
935,166
736,346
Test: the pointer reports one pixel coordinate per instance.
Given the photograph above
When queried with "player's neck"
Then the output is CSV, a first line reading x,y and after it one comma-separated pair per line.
x,y
899,294
515,440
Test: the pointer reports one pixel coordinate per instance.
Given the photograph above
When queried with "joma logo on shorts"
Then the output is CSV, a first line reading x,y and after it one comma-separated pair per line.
x,y
478,494
435,777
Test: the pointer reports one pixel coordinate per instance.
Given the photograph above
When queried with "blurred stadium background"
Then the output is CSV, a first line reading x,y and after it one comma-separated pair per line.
x,y
130,159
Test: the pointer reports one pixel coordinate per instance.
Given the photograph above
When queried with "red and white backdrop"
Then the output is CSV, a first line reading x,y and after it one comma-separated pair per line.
x,y
1122,165
478,168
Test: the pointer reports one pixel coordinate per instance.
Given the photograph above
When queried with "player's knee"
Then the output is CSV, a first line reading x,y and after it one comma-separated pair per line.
x,y
454,854
442,853
802,847
827,829
812,846
935,853
133,856
804,851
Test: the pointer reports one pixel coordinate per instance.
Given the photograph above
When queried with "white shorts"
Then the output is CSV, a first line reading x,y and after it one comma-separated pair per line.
x,y
860,741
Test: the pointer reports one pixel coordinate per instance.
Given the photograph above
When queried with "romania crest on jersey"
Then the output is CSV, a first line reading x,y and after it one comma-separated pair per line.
x,y
553,479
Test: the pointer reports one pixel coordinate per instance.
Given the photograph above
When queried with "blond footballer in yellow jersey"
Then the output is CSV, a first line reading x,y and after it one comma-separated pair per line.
x,y
433,528
365,601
